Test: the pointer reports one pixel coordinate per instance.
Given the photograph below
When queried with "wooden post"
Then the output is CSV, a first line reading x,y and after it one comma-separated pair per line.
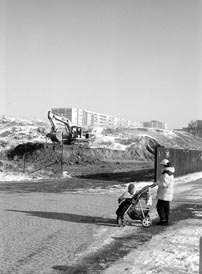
x,y
24,156
155,165
200,256
24,163
62,157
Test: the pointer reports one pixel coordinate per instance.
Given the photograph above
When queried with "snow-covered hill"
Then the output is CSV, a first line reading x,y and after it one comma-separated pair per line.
x,y
20,138
14,132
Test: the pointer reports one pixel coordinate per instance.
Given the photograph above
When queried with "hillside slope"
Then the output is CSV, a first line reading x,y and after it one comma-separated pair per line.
x,y
24,146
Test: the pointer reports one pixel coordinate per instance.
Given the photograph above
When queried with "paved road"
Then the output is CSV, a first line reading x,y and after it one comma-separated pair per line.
x,y
48,232
51,233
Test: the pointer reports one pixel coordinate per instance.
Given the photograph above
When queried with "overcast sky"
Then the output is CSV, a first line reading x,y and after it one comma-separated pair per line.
x,y
134,59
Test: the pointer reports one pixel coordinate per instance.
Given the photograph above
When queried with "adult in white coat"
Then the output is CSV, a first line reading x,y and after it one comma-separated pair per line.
x,y
165,191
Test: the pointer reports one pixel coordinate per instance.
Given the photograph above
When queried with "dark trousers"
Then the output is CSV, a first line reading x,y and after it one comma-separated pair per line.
x,y
163,209
123,207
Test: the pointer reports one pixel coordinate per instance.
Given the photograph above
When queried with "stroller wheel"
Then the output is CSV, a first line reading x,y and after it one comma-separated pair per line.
x,y
146,222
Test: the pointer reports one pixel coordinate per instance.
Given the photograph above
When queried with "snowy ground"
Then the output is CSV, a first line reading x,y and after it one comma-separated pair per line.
x,y
17,177
176,248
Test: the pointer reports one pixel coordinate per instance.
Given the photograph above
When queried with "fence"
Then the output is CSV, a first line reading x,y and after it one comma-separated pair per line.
x,y
185,161
200,256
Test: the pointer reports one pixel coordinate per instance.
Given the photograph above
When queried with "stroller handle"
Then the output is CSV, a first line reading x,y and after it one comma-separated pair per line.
x,y
143,190
151,186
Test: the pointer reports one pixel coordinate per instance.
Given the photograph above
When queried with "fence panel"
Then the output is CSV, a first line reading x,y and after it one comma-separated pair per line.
x,y
185,161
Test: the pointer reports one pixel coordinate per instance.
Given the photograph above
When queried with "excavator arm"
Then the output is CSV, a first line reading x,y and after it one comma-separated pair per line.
x,y
68,133
60,119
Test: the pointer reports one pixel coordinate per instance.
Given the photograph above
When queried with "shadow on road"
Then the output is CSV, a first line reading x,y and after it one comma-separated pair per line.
x,y
68,217
125,177
181,212
97,262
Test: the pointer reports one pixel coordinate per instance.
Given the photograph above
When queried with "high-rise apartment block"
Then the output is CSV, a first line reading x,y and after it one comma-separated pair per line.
x,y
86,118
155,124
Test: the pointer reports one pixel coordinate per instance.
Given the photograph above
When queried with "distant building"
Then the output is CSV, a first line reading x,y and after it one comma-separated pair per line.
x,y
155,124
87,118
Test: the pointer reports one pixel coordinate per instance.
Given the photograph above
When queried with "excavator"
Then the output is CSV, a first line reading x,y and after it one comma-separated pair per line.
x,y
63,131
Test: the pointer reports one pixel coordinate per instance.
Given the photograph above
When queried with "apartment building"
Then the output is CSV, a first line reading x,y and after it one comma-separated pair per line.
x,y
155,124
87,118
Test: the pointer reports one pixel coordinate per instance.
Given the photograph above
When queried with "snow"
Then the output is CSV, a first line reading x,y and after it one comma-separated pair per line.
x,y
97,130
169,133
189,178
17,177
147,135
10,177
102,141
173,249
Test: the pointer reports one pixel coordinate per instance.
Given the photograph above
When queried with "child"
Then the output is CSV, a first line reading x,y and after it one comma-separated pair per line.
x,y
123,201
128,194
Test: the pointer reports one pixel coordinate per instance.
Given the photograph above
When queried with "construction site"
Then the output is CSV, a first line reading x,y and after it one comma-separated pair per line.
x,y
55,147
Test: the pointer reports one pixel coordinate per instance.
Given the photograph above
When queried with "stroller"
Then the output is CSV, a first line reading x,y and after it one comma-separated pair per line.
x,y
137,207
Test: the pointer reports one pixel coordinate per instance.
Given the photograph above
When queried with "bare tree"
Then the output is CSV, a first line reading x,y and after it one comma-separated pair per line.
x,y
195,127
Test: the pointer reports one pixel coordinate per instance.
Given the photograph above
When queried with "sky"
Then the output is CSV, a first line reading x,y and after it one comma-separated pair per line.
x,y
134,59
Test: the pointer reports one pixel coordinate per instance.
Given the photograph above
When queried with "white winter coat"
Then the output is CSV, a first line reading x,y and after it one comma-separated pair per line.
x,y
166,184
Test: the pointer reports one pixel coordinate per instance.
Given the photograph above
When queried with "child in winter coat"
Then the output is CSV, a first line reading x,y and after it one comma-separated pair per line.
x,y
124,201
128,194
165,192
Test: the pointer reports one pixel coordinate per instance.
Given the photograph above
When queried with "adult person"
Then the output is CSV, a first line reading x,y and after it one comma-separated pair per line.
x,y
165,191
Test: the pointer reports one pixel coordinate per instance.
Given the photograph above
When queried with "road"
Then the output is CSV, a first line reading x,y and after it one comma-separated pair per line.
x,y
50,232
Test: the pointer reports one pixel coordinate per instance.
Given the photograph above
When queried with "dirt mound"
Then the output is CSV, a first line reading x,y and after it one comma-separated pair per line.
x,y
24,146
34,157
23,149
